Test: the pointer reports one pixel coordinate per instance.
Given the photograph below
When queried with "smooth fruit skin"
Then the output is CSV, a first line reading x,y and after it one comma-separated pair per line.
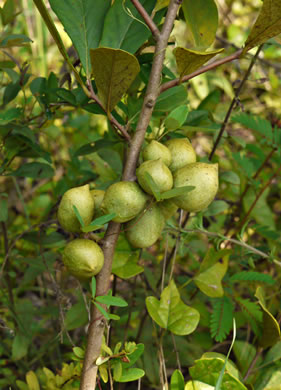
x,y
126,199
159,172
83,200
204,177
83,258
155,150
144,230
98,196
182,153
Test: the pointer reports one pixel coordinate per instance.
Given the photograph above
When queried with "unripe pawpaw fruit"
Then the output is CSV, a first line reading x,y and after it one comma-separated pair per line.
x,y
159,172
168,208
126,199
83,258
204,177
83,200
155,150
98,196
144,230
182,153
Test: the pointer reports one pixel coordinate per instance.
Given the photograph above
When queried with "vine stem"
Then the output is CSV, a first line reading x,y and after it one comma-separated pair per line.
x,y
97,324
234,102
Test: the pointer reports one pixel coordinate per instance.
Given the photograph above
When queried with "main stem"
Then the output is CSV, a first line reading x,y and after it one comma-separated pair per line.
x,y
97,323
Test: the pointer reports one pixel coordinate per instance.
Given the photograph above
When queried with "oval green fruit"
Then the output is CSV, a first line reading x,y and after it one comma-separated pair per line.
x,y
126,199
83,258
144,230
182,153
155,150
159,172
168,208
98,196
83,200
204,177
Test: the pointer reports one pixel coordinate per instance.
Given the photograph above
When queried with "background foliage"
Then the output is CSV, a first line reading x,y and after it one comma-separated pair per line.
x,y
222,263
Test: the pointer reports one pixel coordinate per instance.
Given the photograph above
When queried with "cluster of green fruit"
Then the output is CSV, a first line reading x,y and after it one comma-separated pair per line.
x,y
168,166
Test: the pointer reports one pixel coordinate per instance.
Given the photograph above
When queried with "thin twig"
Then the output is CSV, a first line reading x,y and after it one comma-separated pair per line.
x,y
176,351
111,118
253,363
203,69
6,246
234,102
147,18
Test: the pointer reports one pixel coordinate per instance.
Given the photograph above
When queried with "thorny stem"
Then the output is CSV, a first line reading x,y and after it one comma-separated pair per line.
x,y
146,17
111,119
234,102
97,324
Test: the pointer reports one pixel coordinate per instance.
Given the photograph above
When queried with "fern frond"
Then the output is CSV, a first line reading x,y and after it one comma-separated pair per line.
x,y
252,312
252,276
221,318
255,123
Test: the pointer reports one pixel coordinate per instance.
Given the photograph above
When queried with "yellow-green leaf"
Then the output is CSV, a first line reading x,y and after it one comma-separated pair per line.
x,y
212,270
161,4
271,331
190,60
202,19
32,381
267,25
114,70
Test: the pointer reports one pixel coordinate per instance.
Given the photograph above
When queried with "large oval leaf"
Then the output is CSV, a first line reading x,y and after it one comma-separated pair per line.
x,y
114,71
202,18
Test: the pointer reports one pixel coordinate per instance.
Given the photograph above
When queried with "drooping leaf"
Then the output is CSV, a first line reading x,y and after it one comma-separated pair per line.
x,y
8,12
202,19
124,28
14,40
267,25
171,313
270,328
221,319
176,117
114,71
190,60
211,273
83,22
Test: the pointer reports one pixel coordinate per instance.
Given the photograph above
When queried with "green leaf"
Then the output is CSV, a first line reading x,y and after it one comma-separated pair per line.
x,y
134,356
131,374
202,19
8,12
230,177
153,186
93,286
221,319
78,216
83,22
274,354
66,95
211,273
177,381
170,99
98,222
190,60
35,170
244,353
111,301
32,381
20,346
125,263
3,209
176,192
14,40
267,25
252,276
76,316
176,117
114,71
79,352
256,123
270,330
216,207
117,370
124,28
9,115
102,310
113,317
171,313
197,385
252,312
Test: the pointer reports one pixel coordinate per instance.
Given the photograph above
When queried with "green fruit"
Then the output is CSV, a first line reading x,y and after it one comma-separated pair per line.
x,y
182,153
159,172
168,208
83,258
98,196
83,200
144,230
204,177
155,150
125,199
